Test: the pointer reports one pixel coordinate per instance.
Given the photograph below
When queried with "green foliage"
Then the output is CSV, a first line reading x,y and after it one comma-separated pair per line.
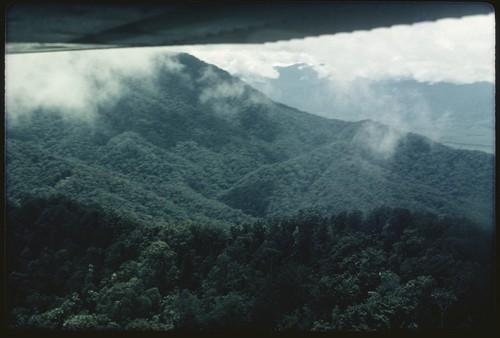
x,y
305,272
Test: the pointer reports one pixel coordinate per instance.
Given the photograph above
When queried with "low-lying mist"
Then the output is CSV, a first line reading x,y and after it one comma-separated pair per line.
x,y
75,83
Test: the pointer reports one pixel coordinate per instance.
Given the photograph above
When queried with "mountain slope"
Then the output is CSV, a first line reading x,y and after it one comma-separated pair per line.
x,y
194,143
459,115
420,175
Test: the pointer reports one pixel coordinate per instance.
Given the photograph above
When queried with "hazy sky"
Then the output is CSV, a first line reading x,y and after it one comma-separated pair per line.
x,y
449,50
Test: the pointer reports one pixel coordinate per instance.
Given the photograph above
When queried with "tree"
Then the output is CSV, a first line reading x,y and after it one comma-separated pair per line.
x,y
158,266
183,310
443,299
231,311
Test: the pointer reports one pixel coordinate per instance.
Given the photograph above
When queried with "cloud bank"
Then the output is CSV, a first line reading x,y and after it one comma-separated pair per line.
x,y
448,50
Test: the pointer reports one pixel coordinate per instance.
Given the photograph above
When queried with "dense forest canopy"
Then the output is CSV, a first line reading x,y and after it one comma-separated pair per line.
x,y
74,266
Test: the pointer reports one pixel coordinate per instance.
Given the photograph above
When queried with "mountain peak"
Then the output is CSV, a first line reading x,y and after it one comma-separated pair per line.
x,y
297,73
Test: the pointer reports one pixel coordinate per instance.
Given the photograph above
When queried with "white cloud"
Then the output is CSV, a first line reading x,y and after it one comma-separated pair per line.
x,y
449,50
74,83
379,140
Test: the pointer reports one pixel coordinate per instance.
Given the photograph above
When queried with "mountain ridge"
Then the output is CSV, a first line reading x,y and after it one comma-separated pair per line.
x,y
460,115
195,143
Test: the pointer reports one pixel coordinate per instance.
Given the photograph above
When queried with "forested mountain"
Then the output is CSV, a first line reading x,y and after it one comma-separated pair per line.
x,y
192,142
459,115
190,201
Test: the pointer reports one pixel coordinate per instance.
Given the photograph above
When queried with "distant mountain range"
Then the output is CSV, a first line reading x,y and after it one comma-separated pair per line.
x,y
195,143
459,115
